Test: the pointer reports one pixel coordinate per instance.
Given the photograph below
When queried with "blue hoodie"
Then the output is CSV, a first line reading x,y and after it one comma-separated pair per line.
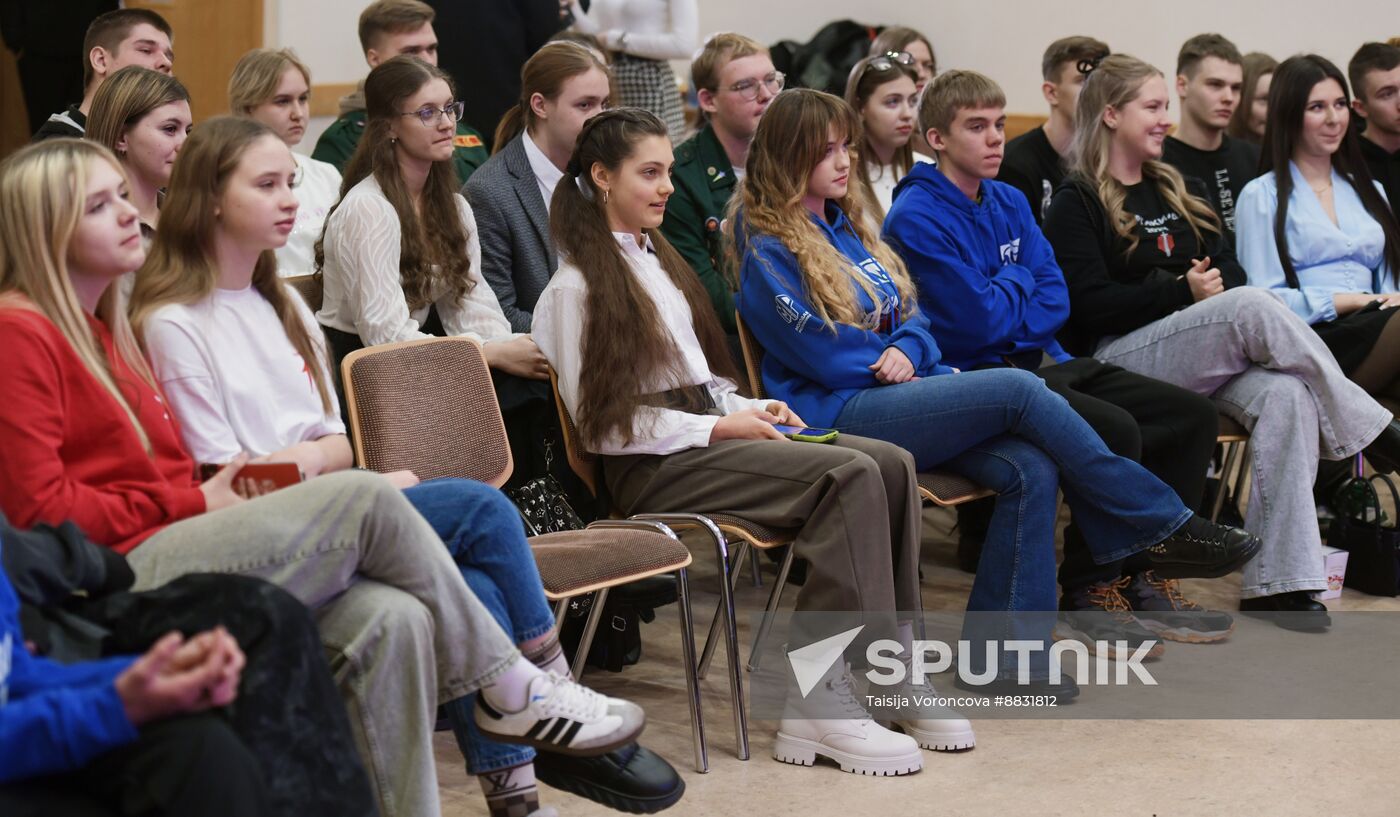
x,y
814,368
987,278
53,717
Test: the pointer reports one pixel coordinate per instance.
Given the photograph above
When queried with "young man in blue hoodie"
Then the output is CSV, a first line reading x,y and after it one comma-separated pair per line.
x,y
994,297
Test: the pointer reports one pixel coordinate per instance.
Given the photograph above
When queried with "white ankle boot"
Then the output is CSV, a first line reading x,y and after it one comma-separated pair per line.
x,y
852,739
935,727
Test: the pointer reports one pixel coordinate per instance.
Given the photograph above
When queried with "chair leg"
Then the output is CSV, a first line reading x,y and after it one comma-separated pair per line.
x,y
1227,469
757,567
560,608
731,632
774,596
692,680
708,653
589,628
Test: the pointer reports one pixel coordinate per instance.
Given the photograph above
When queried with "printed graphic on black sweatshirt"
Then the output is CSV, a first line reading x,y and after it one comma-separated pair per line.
x,y
1158,232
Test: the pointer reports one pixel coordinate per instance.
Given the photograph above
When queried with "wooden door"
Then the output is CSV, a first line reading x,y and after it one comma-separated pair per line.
x,y
210,36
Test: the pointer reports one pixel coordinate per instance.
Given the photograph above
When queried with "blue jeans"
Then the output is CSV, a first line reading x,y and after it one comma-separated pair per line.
x,y
1004,429
486,538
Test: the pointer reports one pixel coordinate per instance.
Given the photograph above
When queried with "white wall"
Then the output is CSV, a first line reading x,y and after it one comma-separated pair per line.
x,y
1001,38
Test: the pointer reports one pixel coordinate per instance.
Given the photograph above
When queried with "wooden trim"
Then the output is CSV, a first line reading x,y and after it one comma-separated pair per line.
x,y
1019,123
325,99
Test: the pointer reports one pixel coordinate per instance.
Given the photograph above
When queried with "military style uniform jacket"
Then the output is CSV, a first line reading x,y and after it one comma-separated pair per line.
x,y
704,180
339,141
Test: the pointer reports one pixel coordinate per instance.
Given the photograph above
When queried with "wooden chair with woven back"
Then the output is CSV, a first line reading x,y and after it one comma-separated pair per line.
x,y
311,288
429,406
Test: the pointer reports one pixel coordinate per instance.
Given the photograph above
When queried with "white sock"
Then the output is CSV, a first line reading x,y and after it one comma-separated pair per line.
x,y
511,689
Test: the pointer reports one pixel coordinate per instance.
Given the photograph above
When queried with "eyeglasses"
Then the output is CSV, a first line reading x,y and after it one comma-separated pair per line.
x,y
748,88
428,115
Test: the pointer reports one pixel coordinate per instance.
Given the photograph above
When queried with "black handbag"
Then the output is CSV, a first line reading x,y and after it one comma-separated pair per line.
x,y
1362,529
543,502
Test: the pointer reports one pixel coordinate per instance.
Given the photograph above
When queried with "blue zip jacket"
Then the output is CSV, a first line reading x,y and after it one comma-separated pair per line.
x,y
53,717
987,278
813,368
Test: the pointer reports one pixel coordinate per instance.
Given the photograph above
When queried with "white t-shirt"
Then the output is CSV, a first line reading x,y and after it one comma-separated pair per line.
x,y
234,379
317,190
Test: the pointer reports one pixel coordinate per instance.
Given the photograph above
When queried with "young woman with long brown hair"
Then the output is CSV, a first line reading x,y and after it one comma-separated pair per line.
x,y
1317,229
1155,288
644,369
401,246
836,312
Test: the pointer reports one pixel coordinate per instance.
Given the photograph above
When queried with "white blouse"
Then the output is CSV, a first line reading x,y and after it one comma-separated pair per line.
x,y
317,191
558,330
363,288
654,29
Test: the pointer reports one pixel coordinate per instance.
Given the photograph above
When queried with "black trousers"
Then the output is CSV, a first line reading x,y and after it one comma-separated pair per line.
x,y
1168,429
194,765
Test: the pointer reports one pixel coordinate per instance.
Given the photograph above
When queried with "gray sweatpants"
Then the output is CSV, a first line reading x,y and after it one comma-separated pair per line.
x,y
402,630
1267,369
856,503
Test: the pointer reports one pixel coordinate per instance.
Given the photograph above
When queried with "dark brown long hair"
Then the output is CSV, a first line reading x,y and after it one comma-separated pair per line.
x,y
434,236
181,268
625,347
1283,130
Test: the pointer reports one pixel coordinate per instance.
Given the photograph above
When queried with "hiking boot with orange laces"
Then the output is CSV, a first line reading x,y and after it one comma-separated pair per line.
x,y
1160,607
1098,615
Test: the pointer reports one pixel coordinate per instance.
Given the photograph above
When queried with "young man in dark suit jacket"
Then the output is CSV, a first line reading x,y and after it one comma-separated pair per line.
x,y
510,194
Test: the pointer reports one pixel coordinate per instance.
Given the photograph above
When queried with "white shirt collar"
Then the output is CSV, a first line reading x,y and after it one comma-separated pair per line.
x,y
629,244
544,170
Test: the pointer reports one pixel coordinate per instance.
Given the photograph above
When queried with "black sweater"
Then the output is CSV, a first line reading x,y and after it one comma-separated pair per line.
x,y
1111,292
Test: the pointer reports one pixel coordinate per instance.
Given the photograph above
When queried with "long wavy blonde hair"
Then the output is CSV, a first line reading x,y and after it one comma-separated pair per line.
x,y
42,190
790,142
1117,81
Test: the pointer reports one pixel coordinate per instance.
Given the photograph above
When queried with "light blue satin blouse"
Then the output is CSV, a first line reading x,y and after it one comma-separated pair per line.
x,y
1348,256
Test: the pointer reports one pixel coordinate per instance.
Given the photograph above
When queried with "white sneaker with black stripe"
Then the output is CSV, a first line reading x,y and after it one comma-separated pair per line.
x,y
561,715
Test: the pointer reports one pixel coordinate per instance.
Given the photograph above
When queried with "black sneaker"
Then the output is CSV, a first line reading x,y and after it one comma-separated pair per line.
x,y
1064,691
632,778
1202,549
1099,616
1160,607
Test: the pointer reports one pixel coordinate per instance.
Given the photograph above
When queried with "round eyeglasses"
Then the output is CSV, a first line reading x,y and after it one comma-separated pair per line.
x,y
429,115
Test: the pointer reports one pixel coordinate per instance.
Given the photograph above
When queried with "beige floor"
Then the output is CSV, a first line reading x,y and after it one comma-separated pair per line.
x,y
1155,767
